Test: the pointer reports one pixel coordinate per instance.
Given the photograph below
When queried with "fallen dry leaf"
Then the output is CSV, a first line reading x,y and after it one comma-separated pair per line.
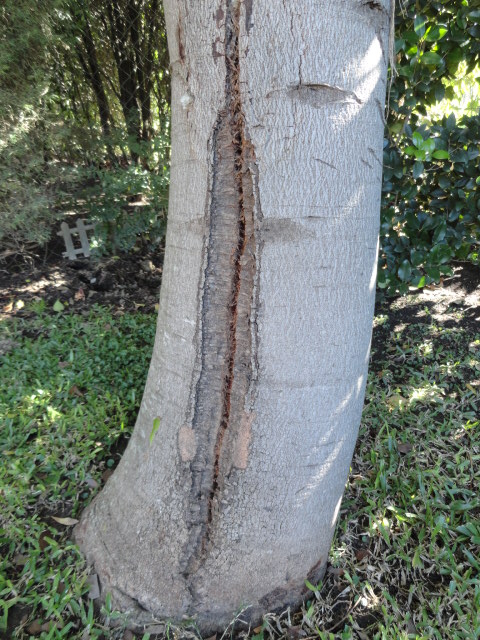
x,y
75,391
411,628
42,543
361,554
294,633
106,474
79,295
404,447
68,522
35,628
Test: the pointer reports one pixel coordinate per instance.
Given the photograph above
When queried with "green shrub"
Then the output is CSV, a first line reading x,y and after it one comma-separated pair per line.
x,y
32,185
431,203
129,201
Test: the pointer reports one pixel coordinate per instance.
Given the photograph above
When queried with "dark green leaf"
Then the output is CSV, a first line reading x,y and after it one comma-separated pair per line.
x,y
417,169
430,57
405,271
440,254
436,33
419,25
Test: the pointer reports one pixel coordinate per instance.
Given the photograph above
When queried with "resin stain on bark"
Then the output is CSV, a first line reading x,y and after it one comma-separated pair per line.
x,y
180,40
220,427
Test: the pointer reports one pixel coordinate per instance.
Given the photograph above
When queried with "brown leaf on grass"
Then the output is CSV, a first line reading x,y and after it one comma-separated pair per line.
x,y
295,633
411,628
361,554
75,391
35,628
42,543
68,522
404,447
79,295
106,474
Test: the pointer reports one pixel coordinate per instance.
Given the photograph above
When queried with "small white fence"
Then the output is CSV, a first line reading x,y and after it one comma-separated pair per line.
x,y
81,229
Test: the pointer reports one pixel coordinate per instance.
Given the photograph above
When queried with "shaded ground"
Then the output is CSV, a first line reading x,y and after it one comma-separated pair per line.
x,y
132,282
128,281
454,303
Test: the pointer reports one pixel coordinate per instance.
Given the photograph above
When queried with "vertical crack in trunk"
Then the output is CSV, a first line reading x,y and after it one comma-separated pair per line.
x,y
220,422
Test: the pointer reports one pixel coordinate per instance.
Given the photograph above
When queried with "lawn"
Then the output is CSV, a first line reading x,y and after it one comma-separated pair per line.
x,y
405,560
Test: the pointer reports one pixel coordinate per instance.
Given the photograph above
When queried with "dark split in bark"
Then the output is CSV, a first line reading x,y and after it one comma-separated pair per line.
x,y
221,422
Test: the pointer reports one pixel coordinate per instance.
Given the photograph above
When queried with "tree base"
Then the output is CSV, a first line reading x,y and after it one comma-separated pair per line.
x,y
206,619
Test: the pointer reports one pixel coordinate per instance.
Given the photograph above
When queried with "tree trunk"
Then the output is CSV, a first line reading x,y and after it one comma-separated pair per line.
x,y
125,63
92,72
260,360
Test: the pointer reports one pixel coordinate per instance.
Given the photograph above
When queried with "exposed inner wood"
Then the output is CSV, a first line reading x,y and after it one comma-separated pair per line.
x,y
220,422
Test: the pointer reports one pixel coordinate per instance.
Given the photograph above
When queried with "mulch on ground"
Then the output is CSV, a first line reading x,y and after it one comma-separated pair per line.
x,y
129,282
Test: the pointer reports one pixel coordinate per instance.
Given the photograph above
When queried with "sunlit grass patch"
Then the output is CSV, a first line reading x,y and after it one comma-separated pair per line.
x,y
410,517
69,393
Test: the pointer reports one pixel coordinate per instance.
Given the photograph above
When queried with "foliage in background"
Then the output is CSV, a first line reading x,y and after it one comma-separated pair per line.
x,y
129,202
430,203
84,89
30,179
84,102
431,212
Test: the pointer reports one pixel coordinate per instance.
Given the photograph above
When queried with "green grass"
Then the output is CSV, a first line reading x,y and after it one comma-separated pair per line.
x,y
405,560
70,391
407,543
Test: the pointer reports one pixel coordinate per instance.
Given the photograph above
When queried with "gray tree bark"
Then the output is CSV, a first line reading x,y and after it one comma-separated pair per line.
x,y
260,360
